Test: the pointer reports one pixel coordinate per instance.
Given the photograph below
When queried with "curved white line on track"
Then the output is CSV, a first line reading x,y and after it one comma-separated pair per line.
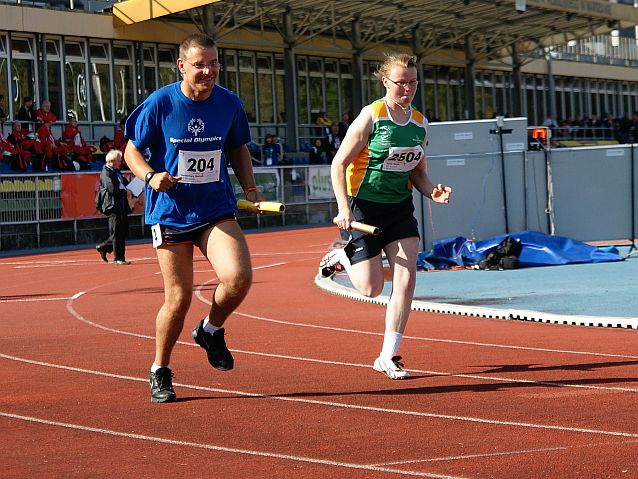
x,y
417,338
212,447
79,317
505,453
434,340
333,404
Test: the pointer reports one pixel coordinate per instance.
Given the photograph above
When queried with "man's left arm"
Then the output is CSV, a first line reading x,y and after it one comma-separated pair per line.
x,y
242,164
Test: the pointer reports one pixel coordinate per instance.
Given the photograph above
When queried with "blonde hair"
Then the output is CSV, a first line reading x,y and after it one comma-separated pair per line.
x,y
113,155
392,60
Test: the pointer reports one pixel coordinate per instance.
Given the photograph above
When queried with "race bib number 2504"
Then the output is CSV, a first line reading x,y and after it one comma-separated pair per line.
x,y
403,158
199,166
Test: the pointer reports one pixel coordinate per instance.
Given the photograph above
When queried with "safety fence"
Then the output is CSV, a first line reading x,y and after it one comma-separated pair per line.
x,y
58,209
587,194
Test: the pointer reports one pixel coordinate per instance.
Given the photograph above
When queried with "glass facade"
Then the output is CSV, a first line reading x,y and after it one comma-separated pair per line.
x,y
100,81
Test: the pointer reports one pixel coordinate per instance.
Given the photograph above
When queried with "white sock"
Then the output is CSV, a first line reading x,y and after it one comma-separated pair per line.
x,y
155,367
344,260
391,343
209,327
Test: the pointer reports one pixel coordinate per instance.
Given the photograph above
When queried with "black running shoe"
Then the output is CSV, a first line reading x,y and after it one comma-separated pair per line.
x,y
102,252
162,386
219,356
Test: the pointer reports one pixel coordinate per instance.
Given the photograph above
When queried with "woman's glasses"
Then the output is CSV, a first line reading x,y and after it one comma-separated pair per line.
x,y
404,84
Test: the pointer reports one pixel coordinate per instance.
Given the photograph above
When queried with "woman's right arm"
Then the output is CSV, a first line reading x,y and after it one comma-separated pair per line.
x,y
355,140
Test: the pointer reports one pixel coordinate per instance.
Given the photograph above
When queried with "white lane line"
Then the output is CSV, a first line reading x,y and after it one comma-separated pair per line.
x,y
232,450
32,300
198,290
56,263
333,404
479,377
505,453
434,340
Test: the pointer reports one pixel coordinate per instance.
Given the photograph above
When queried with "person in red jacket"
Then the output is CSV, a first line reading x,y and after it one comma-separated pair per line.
x,y
119,140
55,152
44,113
19,139
72,137
18,158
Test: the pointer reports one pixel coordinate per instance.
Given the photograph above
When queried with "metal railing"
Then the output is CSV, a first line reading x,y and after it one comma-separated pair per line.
x,y
33,215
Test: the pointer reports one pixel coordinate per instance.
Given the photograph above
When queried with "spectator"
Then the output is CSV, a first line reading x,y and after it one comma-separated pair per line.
x,y
343,125
332,142
429,114
22,142
3,114
271,151
608,124
317,155
55,152
27,115
114,201
634,126
119,140
44,113
18,158
322,119
624,129
593,124
76,144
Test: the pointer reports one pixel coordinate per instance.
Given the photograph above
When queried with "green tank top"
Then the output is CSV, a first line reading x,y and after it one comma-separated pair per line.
x,y
381,172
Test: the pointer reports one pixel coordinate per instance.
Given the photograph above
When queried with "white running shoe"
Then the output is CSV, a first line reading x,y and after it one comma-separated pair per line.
x,y
332,262
392,368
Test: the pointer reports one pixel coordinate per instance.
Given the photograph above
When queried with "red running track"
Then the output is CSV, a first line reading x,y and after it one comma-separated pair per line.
x,y
488,398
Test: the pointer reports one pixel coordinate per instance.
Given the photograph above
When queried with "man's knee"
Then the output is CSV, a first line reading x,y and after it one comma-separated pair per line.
x,y
178,304
237,282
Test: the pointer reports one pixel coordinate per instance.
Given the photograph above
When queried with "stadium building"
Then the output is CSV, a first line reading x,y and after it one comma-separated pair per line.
x,y
290,60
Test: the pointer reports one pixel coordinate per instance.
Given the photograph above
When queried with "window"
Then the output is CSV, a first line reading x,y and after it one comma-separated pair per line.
x,y
100,82
23,72
123,80
167,65
4,90
54,91
247,84
150,75
265,89
76,77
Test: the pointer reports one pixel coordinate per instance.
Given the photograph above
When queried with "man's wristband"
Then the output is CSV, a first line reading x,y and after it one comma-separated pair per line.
x,y
149,175
250,189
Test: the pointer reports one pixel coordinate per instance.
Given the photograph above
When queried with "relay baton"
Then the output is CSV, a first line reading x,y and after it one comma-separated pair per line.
x,y
261,206
364,228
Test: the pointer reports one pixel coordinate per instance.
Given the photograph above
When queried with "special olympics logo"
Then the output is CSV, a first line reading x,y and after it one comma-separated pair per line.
x,y
196,126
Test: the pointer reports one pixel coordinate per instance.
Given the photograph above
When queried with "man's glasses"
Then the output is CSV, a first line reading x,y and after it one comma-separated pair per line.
x,y
203,66
404,84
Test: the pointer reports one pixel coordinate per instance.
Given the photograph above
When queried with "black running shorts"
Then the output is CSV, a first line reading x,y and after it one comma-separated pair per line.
x,y
395,221
191,234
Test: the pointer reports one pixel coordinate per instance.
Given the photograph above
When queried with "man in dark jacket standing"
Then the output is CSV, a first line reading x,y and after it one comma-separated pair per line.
x,y
113,202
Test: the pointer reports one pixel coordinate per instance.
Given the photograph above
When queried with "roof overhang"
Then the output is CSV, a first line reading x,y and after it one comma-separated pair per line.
x,y
136,11
424,27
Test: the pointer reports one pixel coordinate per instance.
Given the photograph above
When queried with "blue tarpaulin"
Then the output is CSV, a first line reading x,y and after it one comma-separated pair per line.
x,y
539,249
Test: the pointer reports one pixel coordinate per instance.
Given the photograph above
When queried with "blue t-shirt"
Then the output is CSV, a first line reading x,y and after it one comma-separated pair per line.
x,y
189,138
271,154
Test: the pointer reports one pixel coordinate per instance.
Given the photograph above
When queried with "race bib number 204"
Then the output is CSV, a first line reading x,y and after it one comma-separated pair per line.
x,y
403,158
199,166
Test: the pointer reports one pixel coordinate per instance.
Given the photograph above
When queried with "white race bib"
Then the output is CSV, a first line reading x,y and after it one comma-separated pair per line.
x,y
403,158
199,166
156,232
